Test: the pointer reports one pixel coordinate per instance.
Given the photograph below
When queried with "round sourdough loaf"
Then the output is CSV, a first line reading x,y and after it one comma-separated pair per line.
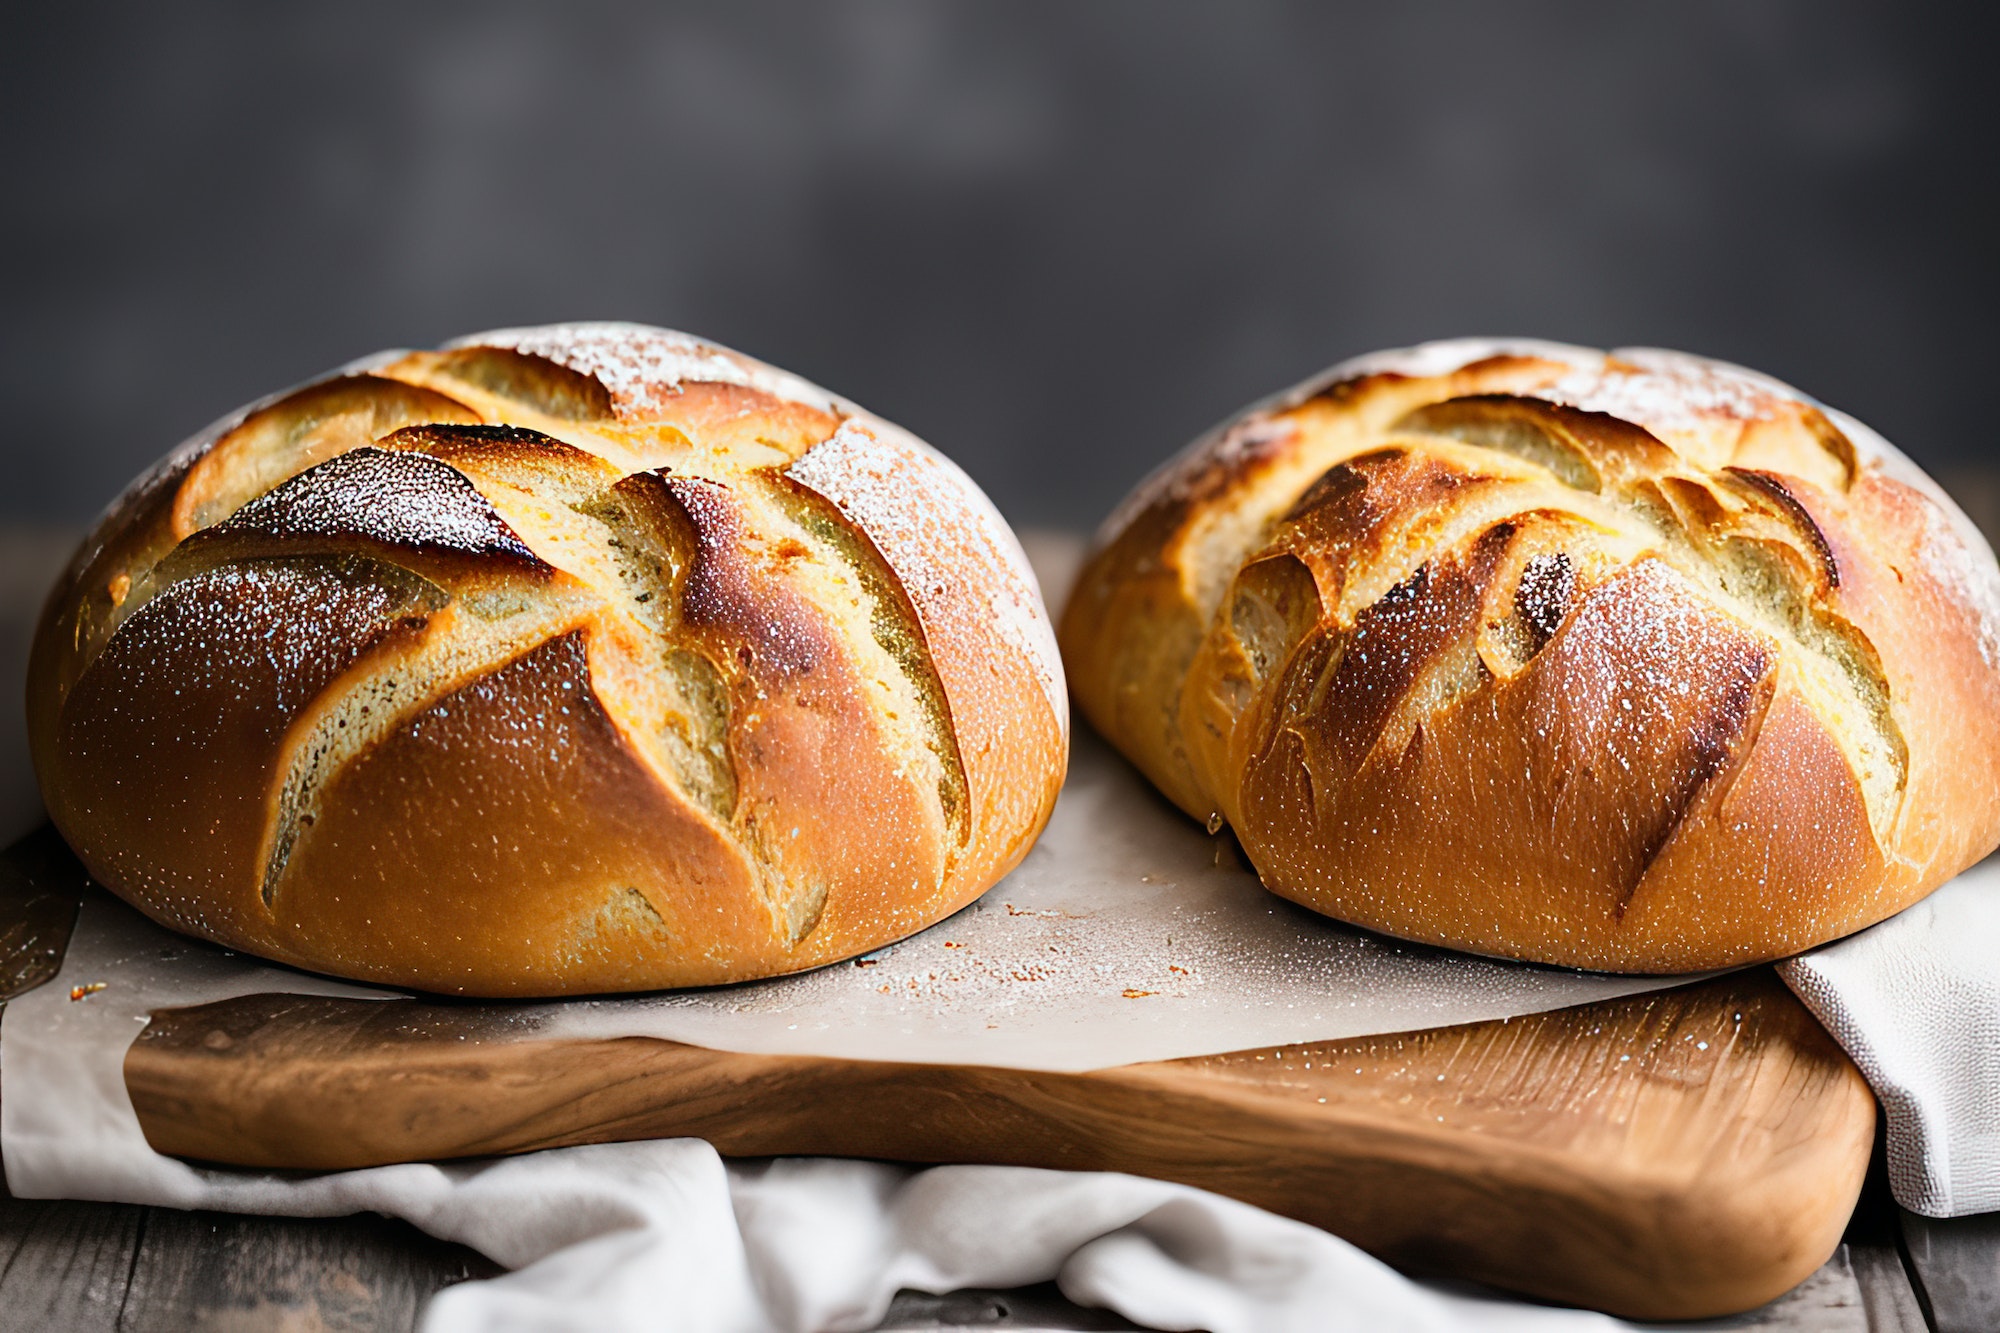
x,y
569,659
1634,661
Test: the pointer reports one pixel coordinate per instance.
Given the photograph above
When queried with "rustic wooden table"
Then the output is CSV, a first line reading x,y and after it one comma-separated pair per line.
x,y
87,1267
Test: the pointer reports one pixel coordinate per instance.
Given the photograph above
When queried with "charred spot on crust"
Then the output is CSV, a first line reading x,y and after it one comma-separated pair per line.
x,y
1548,584
1403,594
398,499
1773,488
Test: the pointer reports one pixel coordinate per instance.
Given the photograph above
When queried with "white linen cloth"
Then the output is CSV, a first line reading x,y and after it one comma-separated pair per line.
x,y
661,1235
1916,1002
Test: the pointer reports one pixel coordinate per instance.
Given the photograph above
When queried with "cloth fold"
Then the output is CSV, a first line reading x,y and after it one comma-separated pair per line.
x,y
1916,1002
663,1235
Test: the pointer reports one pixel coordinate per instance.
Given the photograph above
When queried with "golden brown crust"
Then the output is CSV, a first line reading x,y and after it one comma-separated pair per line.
x,y
534,666
1629,661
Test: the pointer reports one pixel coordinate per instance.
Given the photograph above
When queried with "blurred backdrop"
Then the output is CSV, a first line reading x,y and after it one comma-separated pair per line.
x,y
1055,238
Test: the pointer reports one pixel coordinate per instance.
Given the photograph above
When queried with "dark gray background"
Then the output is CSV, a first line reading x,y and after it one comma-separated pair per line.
x,y
1056,239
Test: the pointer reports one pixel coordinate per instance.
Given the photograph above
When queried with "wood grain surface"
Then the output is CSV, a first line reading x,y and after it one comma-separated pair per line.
x,y
1957,1266
1672,1155
95,1268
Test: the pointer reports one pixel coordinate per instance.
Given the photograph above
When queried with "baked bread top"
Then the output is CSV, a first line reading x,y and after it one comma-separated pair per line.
x,y
1634,661
581,658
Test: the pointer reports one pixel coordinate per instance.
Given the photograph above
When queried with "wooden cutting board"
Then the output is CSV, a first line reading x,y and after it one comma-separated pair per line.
x,y
1672,1155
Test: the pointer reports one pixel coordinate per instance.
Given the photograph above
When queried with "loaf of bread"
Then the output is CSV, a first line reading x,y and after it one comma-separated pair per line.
x,y
559,660
1637,661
